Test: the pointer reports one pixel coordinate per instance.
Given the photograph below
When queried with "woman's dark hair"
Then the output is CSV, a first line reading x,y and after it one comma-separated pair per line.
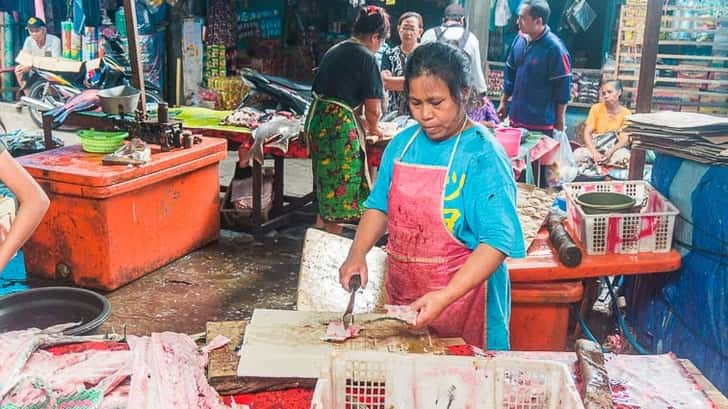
x,y
443,61
409,14
372,20
617,84
538,8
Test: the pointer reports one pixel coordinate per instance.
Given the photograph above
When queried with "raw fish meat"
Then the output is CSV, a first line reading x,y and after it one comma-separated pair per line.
x,y
337,333
401,312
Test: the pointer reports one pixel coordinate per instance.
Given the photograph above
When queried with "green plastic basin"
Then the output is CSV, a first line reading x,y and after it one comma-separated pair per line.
x,y
101,142
605,202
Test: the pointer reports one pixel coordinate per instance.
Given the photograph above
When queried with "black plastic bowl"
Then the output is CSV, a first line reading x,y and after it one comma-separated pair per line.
x,y
48,306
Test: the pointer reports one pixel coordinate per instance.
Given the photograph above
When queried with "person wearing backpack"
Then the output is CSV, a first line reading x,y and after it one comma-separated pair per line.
x,y
454,31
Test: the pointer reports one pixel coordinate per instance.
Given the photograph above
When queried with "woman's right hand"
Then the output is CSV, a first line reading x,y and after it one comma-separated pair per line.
x,y
502,111
597,156
353,265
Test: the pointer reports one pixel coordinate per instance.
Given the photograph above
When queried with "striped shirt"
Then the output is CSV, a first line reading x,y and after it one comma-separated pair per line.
x,y
537,77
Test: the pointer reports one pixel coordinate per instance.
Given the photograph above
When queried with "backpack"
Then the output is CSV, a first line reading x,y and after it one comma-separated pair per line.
x,y
460,43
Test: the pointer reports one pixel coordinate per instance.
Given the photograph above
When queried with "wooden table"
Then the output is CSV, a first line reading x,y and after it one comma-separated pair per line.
x,y
542,289
542,264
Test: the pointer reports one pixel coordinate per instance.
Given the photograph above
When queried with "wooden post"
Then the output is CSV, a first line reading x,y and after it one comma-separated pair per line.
x,y
648,62
137,71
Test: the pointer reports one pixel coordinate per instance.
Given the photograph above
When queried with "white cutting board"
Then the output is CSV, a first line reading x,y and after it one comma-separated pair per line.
x,y
318,279
287,344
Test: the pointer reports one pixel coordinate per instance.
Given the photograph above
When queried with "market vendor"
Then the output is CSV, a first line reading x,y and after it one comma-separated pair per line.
x,y
409,27
347,81
537,78
38,44
606,118
451,223
33,205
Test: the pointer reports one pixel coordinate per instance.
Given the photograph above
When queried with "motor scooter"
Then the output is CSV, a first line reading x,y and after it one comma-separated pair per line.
x,y
47,90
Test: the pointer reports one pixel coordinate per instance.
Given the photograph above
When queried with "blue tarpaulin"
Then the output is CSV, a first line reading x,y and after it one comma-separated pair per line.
x,y
689,315
12,277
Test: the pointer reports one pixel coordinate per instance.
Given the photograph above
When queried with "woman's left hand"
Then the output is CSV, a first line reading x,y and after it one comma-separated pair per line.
x,y
608,155
429,307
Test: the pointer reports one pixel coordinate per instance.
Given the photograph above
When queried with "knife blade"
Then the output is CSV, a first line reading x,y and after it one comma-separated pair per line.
x,y
354,285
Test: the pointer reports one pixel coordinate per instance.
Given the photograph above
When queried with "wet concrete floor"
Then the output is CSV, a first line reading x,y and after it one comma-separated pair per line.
x,y
224,281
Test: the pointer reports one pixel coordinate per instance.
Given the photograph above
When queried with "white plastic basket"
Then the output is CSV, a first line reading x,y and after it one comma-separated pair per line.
x,y
380,380
648,231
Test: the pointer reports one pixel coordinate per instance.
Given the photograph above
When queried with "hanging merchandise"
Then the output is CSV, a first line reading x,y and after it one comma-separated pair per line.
x,y
215,61
92,12
66,30
192,53
9,51
502,13
78,17
221,21
120,22
144,18
75,45
580,16
90,44
151,48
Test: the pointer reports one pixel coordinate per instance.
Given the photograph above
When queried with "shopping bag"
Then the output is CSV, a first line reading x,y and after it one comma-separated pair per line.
x,y
502,13
564,168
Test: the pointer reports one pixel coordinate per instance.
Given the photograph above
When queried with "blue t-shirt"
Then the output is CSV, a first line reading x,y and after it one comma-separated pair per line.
x,y
479,205
537,77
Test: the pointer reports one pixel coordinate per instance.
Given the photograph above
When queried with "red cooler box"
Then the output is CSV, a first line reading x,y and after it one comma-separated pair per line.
x,y
110,224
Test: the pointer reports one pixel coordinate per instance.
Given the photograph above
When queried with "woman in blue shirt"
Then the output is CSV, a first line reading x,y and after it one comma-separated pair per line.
x,y
446,195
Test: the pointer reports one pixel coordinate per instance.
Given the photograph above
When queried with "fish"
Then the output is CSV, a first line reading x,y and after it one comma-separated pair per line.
x,y
20,345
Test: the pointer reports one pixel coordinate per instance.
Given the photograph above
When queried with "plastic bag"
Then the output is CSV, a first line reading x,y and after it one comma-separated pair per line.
x,y
502,13
564,168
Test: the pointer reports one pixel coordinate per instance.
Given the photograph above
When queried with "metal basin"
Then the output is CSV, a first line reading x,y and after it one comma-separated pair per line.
x,y
119,100
44,307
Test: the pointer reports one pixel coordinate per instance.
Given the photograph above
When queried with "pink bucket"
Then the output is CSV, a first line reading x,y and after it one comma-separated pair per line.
x,y
510,138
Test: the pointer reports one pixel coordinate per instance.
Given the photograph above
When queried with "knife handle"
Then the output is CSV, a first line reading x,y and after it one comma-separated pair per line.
x,y
354,282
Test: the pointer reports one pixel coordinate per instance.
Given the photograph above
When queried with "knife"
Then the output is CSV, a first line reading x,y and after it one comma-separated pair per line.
x,y
354,285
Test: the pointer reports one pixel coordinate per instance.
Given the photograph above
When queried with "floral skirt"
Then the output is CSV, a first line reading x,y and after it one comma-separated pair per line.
x,y
339,163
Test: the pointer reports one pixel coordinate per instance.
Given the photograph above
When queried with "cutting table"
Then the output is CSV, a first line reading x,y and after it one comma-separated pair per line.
x,y
634,377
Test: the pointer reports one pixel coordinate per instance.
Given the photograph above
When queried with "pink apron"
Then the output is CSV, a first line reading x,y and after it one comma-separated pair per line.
x,y
423,254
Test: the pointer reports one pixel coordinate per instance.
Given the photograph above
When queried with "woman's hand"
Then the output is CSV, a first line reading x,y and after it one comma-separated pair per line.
x,y
429,307
608,154
377,131
597,156
502,111
353,265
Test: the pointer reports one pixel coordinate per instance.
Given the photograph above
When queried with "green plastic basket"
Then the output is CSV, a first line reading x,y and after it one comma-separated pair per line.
x,y
101,142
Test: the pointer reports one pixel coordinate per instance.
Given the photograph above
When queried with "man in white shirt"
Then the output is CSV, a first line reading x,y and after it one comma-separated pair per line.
x,y
453,31
38,44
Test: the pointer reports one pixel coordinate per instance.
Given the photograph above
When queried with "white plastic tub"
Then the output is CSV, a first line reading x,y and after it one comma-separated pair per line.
x,y
378,380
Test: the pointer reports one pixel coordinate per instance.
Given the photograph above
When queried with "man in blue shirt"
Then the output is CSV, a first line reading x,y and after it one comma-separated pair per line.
x,y
538,73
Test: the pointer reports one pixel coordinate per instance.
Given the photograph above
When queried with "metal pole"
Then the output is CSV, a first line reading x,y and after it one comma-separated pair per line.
x,y
137,71
648,62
